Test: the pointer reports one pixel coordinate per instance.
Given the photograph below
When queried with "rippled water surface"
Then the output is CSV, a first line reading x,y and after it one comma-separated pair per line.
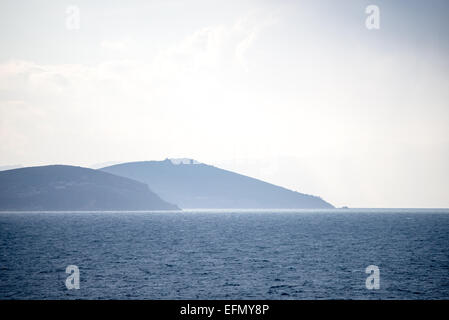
x,y
225,255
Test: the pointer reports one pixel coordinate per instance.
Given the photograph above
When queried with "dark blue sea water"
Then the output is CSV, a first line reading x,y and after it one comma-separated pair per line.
x,y
307,254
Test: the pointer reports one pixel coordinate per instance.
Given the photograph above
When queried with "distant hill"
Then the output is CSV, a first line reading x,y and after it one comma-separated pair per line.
x,y
59,187
191,184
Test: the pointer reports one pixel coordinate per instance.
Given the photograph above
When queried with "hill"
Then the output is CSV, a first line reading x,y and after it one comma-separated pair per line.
x,y
194,185
59,187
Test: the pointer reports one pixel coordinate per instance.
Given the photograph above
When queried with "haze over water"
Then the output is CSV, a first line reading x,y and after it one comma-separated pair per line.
x,y
222,254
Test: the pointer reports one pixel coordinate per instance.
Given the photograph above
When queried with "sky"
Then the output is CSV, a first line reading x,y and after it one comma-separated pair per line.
x,y
297,93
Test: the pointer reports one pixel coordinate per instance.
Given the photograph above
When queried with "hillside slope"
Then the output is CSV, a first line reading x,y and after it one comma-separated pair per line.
x,y
196,185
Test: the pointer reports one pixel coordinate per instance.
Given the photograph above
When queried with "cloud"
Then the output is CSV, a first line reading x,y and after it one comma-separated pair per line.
x,y
120,99
208,49
216,46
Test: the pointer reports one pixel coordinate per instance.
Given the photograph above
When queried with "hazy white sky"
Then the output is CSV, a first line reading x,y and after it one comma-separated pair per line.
x,y
297,93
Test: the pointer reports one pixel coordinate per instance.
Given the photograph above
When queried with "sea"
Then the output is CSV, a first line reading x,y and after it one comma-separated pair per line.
x,y
226,254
